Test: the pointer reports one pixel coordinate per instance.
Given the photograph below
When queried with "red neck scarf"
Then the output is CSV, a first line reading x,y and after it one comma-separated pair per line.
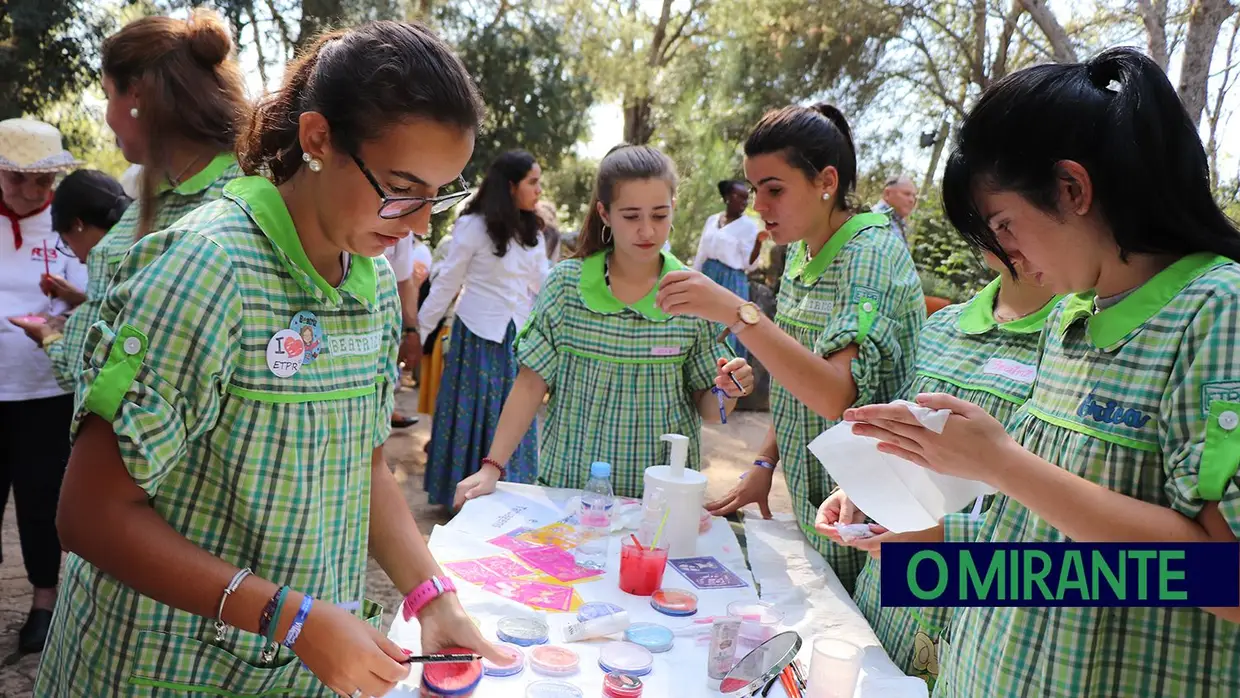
x,y
16,220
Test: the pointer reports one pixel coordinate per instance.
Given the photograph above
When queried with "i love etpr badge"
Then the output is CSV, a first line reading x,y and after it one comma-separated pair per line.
x,y
285,353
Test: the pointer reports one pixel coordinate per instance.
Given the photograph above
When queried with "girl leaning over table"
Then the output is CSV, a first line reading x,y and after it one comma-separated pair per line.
x,y
1151,328
227,460
984,351
176,102
849,308
619,371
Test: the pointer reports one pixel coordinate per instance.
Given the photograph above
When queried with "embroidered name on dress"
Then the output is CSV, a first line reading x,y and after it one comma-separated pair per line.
x,y
354,344
665,351
1017,371
1111,413
814,305
864,293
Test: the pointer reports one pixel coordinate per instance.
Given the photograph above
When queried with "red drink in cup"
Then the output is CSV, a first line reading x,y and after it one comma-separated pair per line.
x,y
641,569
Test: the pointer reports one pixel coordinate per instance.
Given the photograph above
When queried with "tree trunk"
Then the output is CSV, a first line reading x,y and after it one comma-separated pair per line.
x,y
316,17
940,140
1205,19
1154,16
1216,114
637,123
1061,45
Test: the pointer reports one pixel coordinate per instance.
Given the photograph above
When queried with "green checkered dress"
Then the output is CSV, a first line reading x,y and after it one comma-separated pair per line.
x,y
619,377
1136,398
962,351
264,472
861,289
68,355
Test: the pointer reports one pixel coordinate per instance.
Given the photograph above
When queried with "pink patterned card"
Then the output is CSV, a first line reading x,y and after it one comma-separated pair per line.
x,y
509,541
557,563
505,566
534,594
474,572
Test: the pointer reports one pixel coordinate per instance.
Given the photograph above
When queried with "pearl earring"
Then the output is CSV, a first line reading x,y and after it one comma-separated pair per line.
x,y
826,195
133,112
314,164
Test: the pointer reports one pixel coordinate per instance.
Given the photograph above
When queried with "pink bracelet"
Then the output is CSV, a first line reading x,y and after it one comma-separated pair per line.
x,y
424,593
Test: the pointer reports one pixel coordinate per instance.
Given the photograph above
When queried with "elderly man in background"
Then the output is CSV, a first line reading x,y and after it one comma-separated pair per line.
x,y
899,200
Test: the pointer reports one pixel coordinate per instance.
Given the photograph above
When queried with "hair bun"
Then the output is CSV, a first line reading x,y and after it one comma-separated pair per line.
x,y
207,37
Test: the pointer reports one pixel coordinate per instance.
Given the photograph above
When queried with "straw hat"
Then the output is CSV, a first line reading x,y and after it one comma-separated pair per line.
x,y
27,145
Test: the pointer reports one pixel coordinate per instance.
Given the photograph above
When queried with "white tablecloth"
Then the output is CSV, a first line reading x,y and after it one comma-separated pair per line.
x,y
680,672
794,577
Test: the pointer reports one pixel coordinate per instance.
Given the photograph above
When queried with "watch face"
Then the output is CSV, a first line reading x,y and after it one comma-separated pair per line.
x,y
749,313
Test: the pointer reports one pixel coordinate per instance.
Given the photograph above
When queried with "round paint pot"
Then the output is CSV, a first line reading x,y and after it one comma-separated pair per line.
x,y
552,689
553,660
625,658
515,664
617,685
524,632
451,680
597,609
654,637
674,602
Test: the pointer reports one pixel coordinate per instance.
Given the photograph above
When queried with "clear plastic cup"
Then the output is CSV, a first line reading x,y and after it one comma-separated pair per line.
x,y
833,669
641,569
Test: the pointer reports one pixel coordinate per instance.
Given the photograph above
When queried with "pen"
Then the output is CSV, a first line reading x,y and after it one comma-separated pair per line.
x,y
441,659
723,339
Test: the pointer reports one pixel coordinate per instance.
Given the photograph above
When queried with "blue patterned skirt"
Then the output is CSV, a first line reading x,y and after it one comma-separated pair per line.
x,y
477,377
735,281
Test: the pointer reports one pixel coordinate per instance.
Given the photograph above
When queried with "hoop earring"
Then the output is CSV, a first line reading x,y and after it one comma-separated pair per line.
x,y
605,236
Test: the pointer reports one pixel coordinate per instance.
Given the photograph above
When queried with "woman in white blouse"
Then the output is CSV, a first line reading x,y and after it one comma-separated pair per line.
x,y
730,243
497,261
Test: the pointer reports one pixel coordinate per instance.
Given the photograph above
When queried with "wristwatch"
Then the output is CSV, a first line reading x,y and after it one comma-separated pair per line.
x,y
749,314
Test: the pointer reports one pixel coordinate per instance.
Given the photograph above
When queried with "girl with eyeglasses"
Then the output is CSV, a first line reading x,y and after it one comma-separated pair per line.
x,y
499,257
227,480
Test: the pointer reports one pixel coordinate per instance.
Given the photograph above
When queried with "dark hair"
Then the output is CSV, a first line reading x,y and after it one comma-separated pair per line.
x,y
506,222
1119,118
811,139
90,196
623,163
191,88
728,185
361,80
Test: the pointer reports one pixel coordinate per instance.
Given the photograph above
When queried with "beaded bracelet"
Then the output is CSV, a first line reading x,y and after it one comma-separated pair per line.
x,y
299,621
495,464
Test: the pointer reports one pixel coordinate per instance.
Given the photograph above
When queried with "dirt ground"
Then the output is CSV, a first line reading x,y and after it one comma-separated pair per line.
x,y
727,451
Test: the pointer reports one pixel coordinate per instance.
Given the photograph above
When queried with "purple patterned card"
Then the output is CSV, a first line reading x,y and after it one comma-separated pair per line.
x,y
707,573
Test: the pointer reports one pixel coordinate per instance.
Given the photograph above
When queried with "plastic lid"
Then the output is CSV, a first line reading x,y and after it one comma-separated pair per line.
x,y
654,637
600,469
552,689
452,678
515,664
522,631
554,660
625,658
596,609
674,602
616,685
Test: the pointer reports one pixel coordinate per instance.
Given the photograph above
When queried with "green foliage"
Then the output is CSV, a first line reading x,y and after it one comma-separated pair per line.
x,y
570,187
47,49
86,135
949,267
535,100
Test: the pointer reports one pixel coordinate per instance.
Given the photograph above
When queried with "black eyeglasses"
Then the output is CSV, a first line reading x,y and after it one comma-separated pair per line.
x,y
392,207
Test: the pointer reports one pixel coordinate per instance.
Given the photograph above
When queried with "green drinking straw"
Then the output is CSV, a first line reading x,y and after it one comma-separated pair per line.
x,y
655,543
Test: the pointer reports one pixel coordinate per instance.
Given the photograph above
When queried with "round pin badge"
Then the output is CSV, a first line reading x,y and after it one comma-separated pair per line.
x,y
308,327
285,352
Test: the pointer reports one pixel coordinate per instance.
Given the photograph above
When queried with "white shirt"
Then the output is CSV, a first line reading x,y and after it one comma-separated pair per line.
x,y
497,290
25,370
422,255
400,256
732,244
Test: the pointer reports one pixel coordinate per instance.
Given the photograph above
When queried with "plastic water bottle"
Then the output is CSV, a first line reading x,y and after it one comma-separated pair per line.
x,y
595,518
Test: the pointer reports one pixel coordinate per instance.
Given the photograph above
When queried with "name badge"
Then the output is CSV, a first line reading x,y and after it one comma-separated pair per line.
x,y
285,353
665,351
1017,371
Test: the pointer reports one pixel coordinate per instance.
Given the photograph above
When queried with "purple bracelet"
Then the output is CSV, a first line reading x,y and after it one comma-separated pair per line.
x,y
723,412
299,621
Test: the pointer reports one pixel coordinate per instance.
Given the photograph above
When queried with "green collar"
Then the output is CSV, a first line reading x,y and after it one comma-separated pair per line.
x,y
598,297
1109,327
264,204
978,316
809,271
199,182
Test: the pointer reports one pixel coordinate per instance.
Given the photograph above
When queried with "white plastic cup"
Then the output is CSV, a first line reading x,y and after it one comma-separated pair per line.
x,y
833,669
